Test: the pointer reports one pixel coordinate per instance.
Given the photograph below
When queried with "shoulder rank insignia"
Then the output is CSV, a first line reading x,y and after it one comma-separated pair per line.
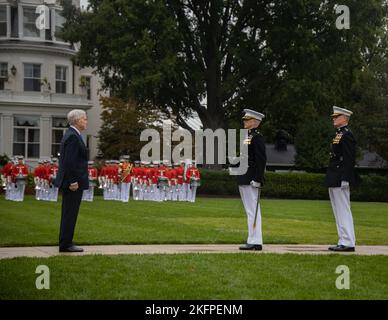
x,y
337,138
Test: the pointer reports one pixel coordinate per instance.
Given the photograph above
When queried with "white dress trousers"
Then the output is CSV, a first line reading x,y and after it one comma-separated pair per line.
x,y
249,197
340,202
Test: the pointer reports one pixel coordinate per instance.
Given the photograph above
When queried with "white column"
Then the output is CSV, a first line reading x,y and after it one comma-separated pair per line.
x,y
52,23
8,21
45,136
7,134
20,20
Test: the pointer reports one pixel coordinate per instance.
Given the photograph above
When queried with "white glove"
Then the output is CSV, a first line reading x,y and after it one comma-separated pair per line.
x,y
344,184
255,184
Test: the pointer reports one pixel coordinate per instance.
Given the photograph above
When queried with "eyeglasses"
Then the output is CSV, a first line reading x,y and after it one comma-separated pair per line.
x,y
247,119
336,116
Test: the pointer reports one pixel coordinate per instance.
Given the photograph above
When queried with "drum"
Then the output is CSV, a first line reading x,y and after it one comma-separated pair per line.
x,y
21,180
92,182
195,182
162,181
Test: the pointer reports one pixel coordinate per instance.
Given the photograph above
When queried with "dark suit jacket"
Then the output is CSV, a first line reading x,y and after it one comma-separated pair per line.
x,y
257,159
342,159
73,161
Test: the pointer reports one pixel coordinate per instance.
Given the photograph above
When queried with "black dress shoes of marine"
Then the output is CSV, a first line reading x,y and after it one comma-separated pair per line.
x,y
71,249
252,247
342,248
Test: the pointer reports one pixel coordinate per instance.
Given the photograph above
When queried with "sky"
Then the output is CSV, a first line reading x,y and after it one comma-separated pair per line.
x,y
84,3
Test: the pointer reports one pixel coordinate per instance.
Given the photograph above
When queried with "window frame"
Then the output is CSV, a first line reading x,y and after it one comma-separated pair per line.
x,y
3,78
53,128
65,73
33,78
5,7
29,37
26,135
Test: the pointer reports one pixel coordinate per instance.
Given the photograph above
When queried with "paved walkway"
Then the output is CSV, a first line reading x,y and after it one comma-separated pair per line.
x,y
44,252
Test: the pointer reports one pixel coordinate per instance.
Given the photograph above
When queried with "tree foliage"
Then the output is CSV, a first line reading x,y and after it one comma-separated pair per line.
x,y
214,58
120,130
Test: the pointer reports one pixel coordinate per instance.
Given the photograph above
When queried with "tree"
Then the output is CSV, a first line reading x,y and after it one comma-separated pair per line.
x,y
214,58
120,130
313,144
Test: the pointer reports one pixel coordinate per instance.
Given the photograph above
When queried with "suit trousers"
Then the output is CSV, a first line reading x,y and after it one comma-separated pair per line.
x,y
71,201
340,202
250,198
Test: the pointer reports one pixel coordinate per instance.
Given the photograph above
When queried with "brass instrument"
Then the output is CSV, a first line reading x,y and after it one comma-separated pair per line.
x,y
126,172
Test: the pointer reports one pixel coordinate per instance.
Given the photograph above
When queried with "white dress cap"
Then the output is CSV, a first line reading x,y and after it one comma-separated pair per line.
x,y
249,114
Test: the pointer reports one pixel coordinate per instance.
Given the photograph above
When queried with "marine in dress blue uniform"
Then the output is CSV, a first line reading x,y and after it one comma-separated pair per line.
x,y
251,182
340,176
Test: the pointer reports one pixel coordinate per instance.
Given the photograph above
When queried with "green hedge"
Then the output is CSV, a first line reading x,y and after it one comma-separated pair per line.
x,y
282,185
294,186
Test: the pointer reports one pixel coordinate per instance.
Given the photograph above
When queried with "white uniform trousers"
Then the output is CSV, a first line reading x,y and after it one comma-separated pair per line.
x,y
249,197
189,192
124,190
183,192
174,196
18,192
53,194
7,191
88,195
193,192
340,202
136,191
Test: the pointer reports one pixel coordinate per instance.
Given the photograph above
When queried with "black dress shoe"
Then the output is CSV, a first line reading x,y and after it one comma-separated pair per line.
x,y
256,247
71,249
342,248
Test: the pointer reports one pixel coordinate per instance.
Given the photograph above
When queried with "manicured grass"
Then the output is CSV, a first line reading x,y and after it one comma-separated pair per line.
x,y
209,220
196,276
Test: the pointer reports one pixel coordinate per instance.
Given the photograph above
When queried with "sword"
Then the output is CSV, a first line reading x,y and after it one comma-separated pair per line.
x,y
257,207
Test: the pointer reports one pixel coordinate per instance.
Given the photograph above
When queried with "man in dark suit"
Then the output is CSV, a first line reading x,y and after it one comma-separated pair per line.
x,y
72,177
251,182
340,176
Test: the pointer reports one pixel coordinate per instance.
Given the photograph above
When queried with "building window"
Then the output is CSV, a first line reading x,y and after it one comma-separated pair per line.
x,y
3,74
59,21
59,127
85,84
14,22
29,19
3,21
60,79
26,136
31,77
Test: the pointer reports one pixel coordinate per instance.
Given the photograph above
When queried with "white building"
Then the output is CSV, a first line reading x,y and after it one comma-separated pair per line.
x,y
39,83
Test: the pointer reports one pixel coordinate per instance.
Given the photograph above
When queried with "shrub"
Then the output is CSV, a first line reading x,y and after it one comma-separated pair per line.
x,y
294,185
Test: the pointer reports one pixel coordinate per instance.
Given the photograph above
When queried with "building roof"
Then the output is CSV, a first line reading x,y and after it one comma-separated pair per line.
x,y
287,158
371,160
280,157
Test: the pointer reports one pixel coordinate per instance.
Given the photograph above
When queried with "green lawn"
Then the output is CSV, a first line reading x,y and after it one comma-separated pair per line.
x,y
191,276
206,221
196,276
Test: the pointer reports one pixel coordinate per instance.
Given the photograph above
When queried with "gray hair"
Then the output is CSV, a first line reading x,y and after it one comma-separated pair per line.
x,y
74,115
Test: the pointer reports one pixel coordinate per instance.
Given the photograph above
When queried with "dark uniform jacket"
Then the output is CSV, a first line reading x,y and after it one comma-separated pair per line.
x,y
342,159
257,158
73,161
